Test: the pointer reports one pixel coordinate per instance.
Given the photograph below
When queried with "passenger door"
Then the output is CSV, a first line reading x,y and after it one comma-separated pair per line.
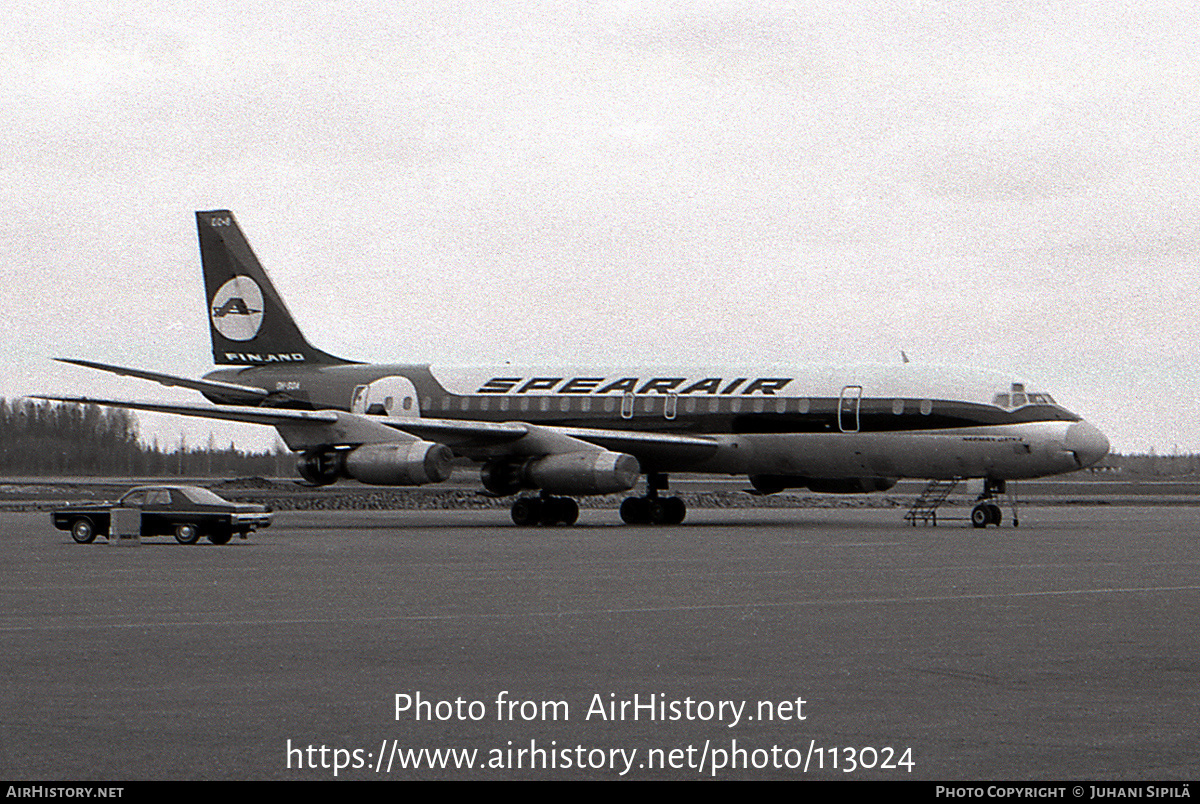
x,y
849,403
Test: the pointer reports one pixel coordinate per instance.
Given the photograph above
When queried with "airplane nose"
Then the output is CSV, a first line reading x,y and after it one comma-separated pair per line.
x,y
1087,442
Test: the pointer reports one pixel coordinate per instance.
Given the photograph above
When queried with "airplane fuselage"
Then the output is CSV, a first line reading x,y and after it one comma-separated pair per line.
x,y
826,422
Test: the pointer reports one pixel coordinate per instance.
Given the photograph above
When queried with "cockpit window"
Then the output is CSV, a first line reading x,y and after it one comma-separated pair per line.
x,y
1018,398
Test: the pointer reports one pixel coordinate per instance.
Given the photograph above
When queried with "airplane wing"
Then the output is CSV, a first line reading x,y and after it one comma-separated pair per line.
x,y
248,392
648,447
479,440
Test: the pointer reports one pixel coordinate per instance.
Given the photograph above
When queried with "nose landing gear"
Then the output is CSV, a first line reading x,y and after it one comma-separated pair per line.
x,y
987,511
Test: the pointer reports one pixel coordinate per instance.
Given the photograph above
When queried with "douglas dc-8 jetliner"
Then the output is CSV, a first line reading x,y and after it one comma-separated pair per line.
x,y
572,431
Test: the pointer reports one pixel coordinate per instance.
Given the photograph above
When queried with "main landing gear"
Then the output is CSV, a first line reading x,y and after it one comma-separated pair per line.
x,y
987,511
652,509
545,510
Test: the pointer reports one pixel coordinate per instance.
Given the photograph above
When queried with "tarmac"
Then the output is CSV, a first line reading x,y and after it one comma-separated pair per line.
x,y
744,644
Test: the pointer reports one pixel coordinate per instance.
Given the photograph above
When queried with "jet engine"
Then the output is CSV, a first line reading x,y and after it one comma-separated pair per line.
x,y
577,473
321,468
403,463
502,478
406,463
770,484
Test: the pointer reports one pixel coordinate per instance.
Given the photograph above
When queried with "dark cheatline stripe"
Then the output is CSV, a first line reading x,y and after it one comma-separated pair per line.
x,y
875,416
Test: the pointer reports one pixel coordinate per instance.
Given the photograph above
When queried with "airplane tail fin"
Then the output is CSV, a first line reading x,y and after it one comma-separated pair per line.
x,y
249,323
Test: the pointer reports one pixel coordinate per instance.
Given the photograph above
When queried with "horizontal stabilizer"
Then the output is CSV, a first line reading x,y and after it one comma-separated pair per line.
x,y
230,390
231,413
300,429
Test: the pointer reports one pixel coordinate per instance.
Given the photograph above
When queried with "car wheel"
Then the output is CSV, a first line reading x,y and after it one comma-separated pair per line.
x,y
186,534
220,536
83,531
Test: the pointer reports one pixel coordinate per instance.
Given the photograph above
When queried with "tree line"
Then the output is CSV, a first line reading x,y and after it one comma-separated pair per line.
x,y
48,438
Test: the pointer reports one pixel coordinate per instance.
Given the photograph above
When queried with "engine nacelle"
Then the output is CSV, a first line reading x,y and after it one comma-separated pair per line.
x,y
584,472
502,478
770,484
577,473
405,463
321,468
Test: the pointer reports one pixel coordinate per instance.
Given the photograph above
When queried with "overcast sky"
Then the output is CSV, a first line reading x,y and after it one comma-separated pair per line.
x,y
1008,185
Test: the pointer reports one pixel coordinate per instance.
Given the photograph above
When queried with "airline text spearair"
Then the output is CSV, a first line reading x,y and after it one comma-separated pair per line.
x,y
744,386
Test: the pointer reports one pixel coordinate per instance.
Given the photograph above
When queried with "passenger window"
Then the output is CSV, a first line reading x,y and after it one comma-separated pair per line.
x,y
1018,400
1001,400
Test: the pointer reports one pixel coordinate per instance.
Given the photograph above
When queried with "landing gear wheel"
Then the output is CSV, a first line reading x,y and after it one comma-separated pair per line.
x,y
568,511
187,534
996,515
980,516
674,510
653,510
220,536
526,511
635,511
559,511
82,531
545,510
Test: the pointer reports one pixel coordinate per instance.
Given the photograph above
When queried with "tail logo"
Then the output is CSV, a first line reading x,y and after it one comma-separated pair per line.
x,y
237,309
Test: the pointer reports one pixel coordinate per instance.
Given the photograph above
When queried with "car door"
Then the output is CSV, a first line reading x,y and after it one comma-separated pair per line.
x,y
156,513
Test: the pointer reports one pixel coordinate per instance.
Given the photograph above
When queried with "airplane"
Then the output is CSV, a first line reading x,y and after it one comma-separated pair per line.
x,y
572,431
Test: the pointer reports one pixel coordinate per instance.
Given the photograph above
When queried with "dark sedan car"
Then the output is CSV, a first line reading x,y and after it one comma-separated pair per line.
x,y
187,512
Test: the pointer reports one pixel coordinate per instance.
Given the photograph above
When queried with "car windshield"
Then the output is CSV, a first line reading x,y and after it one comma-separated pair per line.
x,y
203,497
